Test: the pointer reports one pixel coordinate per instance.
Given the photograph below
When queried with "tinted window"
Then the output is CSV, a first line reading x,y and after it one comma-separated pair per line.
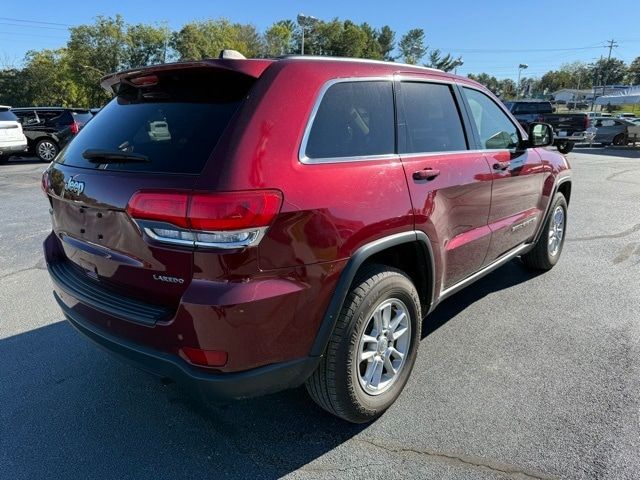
x,y
432,120
50,116
81,118
354,119
176,123
27,117
545,107
494,127
6,115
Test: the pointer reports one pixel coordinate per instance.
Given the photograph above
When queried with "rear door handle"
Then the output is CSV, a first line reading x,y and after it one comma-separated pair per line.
x,y
501,165
426,174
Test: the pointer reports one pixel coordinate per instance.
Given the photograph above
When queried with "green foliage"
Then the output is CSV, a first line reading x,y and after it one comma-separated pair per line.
x,y
387,41
205,39
70,76
442,62
505,89
412,46
278,39
633,73
610,71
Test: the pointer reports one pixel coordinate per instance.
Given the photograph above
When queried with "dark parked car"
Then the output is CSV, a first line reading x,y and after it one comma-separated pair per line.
x,y
214,228
569,128
49,129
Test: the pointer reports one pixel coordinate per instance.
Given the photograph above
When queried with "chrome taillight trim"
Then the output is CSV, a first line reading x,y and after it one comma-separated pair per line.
x,y
150,228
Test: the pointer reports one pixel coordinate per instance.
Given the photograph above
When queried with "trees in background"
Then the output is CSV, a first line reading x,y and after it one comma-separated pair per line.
x,y
70,76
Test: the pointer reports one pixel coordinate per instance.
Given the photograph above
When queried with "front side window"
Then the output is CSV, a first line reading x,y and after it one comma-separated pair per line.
x,y
495,129
354,119
432,121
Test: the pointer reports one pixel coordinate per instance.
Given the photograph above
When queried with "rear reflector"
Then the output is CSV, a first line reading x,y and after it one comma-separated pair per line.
x,y
204,358
45,183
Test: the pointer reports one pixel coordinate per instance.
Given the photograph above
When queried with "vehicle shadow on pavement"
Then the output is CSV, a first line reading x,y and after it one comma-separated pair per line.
x,y
509,275
68,410
624,152
26,161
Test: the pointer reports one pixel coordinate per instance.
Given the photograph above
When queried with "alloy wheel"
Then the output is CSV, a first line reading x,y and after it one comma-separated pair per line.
x,y
556,230
383,346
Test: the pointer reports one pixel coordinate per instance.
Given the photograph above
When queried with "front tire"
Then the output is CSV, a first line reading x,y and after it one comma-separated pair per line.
x,y
546,252
565,147
46,150
373,348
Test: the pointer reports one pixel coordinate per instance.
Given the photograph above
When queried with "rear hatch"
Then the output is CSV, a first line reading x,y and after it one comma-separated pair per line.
x,y
156,135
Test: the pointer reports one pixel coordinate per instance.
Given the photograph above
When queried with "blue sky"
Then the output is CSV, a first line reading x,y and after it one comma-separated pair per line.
x,y
491,36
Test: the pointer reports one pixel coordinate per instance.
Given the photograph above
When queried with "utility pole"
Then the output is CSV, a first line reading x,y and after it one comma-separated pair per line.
x,y
611,46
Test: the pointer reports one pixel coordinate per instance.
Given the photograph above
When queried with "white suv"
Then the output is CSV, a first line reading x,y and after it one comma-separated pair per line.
x,y
12,139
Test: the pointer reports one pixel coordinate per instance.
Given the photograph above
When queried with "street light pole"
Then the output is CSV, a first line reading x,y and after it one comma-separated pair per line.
x,y
521,67
304,20
459,63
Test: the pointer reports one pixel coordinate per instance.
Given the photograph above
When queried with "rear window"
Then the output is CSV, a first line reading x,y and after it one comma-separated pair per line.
x,y
81,118
7,115
175,123
354,119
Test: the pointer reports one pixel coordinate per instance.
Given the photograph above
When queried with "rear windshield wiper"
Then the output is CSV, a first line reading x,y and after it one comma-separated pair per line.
x,y
113,156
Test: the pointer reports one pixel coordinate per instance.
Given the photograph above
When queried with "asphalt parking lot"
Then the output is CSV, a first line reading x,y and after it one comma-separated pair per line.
x,y
519,376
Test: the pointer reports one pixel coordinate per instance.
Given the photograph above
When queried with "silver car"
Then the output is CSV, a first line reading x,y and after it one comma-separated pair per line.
x,y
611,130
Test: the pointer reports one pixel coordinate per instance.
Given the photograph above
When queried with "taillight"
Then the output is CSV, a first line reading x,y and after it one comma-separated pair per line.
x,y
44,183
161,206
75,127
234,211
586,122
215,220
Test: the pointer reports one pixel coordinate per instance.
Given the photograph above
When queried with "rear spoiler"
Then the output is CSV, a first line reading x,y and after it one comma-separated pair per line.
x,y
251,68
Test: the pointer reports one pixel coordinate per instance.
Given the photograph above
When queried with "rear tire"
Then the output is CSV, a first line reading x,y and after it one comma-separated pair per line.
x,y
619,139
4,159
565,147
546,252
350,381
46,149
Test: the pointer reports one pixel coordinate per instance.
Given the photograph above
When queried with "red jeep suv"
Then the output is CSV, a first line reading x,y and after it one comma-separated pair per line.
x,y
247,226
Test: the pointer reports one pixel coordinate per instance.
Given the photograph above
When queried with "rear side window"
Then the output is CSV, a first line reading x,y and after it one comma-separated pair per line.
x,y
354,119
7,116
432,120
495,129
175,123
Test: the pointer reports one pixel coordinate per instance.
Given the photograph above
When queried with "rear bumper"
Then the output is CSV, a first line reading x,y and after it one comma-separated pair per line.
x,y
13,147
250,383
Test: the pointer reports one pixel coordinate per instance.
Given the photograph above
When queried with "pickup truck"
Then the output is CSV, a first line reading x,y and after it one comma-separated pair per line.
x,y
568,128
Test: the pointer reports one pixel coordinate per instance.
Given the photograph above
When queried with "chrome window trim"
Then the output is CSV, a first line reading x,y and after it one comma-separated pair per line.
x,y
400,77
302,156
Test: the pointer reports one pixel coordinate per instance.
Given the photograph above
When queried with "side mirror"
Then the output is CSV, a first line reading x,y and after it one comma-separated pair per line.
x,y
540,135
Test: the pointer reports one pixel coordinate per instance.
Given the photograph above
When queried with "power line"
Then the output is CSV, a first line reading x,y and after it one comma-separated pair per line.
x,y
33,26
34,21
24,34
507,50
